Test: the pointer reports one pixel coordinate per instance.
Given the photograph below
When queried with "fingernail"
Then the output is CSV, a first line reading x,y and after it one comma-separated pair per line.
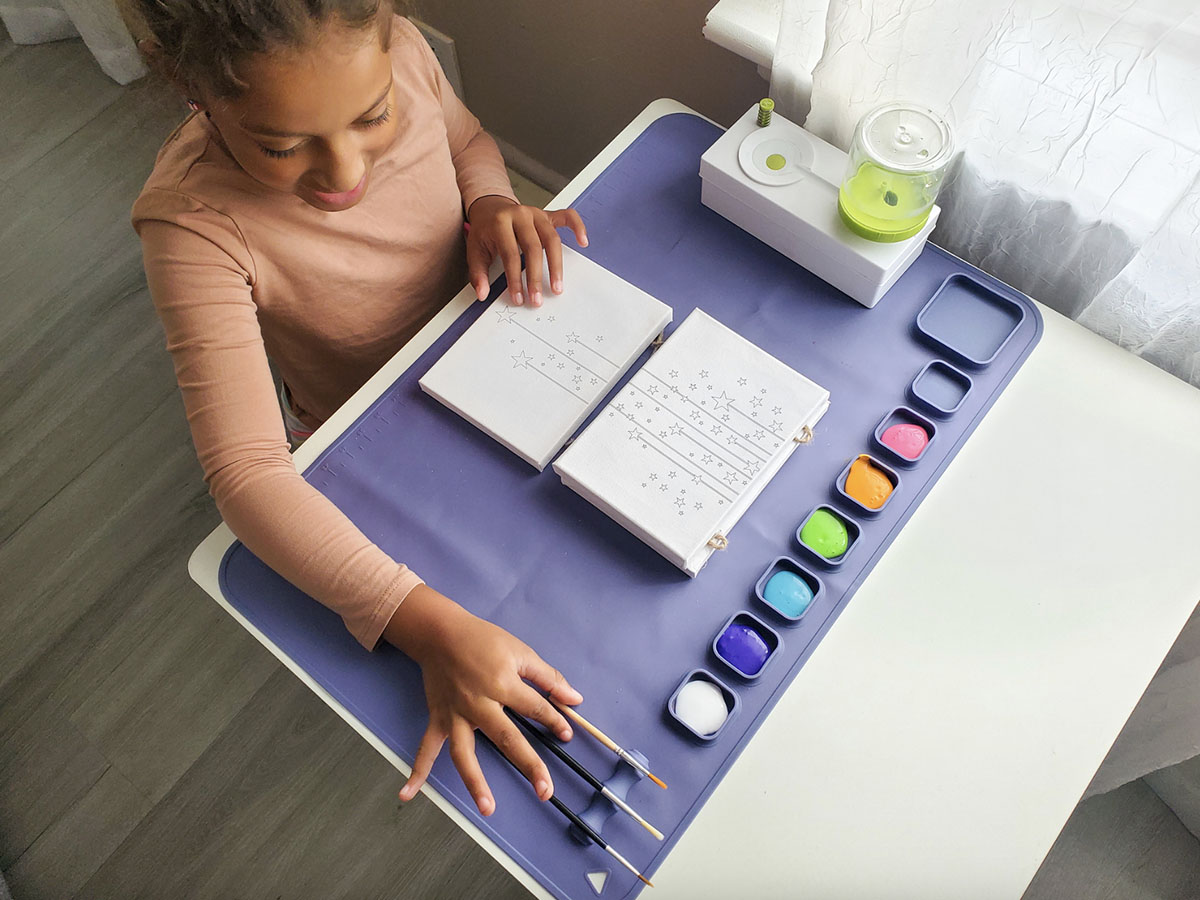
x,y
583,242
565,734
403,795
543,789
557,286
536,299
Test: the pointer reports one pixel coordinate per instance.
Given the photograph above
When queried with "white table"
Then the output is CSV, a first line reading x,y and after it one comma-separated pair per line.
x,y
943,731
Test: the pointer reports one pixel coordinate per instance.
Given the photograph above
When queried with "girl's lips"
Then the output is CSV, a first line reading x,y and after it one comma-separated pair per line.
x,y
345,198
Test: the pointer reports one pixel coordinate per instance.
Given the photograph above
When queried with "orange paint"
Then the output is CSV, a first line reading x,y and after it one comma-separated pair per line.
x,y
868,484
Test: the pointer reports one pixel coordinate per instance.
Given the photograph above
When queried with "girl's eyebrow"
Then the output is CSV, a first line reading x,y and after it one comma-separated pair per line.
x,y
271,132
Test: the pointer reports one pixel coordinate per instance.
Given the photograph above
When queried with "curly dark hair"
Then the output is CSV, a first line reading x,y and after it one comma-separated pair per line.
x,y
199,42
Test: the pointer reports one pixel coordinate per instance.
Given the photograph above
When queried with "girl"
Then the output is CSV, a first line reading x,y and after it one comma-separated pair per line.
x,y
311,210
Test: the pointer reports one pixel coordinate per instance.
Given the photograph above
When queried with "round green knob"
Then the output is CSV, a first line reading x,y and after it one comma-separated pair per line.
x,y
765,107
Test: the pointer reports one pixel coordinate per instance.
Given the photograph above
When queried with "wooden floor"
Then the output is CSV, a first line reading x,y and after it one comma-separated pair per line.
x,y
148,746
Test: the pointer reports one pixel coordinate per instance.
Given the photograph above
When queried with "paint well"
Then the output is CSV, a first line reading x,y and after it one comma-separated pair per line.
x,y
941,387
868,484
906,439
701,706
826,534
970,319
744,647
789,593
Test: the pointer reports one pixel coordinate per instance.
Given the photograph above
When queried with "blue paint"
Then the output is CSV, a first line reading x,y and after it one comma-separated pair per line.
x,y
743,648
788,593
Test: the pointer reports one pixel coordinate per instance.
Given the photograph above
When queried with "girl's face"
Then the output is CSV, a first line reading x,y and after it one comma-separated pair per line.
x,y
313,120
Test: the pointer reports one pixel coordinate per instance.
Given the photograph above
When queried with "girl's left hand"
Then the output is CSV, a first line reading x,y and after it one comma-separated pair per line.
x,y
500,227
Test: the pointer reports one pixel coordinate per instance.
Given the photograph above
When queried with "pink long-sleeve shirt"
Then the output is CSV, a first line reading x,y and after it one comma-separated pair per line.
x,y
240,272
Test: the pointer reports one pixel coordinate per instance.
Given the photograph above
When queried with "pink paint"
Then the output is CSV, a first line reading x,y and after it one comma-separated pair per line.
x,y
907,440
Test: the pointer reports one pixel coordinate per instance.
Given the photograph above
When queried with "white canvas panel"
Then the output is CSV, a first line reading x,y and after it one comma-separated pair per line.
x,y
529,377
684,448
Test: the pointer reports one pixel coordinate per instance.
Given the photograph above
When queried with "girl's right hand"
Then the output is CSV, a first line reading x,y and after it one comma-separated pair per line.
x,y
472,669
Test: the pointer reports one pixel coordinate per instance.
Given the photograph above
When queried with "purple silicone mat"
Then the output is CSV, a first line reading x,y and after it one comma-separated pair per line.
x,y
520,549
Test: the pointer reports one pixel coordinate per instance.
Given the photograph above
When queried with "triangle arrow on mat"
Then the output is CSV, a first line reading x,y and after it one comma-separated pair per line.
x,y
598,880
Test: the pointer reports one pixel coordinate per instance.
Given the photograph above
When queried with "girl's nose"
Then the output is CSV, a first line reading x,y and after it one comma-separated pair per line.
x,y
344,166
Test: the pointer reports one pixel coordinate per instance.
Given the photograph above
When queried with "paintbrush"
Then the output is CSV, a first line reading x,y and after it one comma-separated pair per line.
x,y
607,741
583,826
549,743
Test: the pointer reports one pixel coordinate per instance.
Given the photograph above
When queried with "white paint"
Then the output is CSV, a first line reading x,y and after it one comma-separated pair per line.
x,y
701,706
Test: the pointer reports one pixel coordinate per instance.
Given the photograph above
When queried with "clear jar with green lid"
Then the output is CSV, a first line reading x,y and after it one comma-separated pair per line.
x,y
898,160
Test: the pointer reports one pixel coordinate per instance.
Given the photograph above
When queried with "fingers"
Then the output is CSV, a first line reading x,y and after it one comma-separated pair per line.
x,y
533,705
510,255
431,746
531,246
569,218
509,741
462,752
549,679
478,260
553,247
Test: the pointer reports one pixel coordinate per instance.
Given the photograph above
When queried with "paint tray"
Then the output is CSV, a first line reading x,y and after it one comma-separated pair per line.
x,y
970,320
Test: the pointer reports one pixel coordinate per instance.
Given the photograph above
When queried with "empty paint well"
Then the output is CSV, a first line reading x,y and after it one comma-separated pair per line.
x,y
941,388
867,484
746,644
970,320
788,589
813,530
695,718
892,435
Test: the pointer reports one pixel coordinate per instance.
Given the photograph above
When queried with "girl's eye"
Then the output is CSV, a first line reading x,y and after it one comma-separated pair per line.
x,y
379,119
277,154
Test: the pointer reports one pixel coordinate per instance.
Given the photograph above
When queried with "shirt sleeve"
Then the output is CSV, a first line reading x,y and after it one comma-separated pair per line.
x,y
200,276
477,160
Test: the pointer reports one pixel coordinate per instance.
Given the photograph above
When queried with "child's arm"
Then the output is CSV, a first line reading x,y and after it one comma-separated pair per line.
x,y
200,277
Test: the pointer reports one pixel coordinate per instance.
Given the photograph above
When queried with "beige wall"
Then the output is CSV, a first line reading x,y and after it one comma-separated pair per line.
x,y
558,79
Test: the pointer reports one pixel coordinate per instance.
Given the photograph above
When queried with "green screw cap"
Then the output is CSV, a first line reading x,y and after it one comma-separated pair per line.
x,y
765,107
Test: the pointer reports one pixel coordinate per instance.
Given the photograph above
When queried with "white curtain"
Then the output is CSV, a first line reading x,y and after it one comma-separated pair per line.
x,y
96,21
1079,126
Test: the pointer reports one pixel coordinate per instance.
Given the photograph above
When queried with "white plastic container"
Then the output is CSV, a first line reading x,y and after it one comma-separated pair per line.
x,y
791,204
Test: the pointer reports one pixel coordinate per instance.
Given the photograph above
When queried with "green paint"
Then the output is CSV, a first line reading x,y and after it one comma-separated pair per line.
x,y
826,534
775,162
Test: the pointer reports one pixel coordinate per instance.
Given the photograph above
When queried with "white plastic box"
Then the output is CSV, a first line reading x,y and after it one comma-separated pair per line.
x,y
793,208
